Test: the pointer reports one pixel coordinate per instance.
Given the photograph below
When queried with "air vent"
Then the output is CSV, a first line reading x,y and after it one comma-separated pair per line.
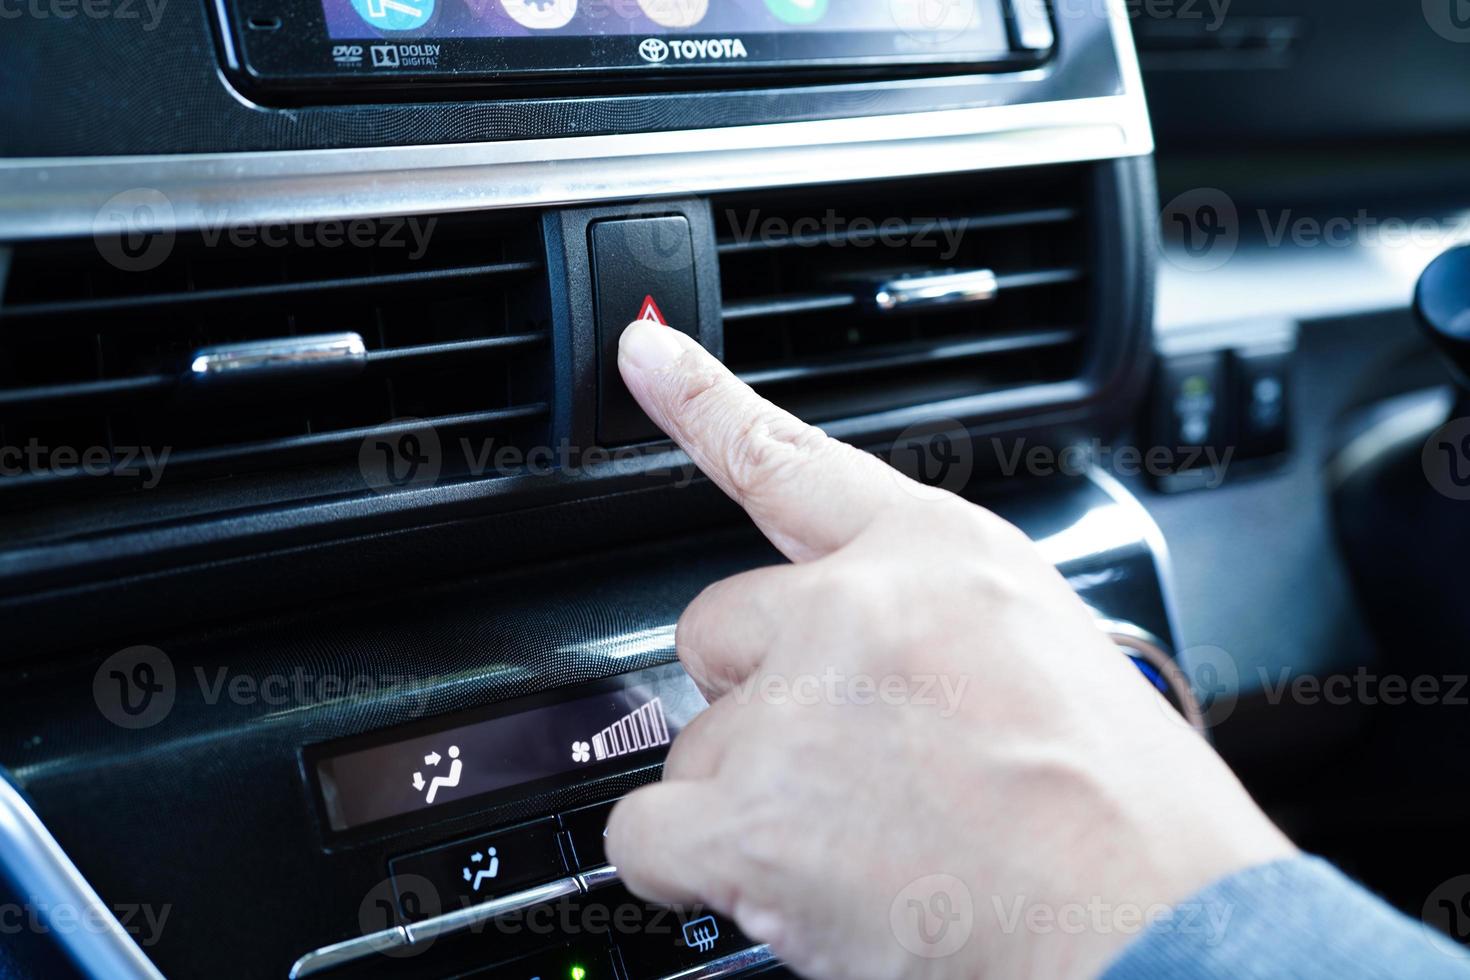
x,y
848,300
97,340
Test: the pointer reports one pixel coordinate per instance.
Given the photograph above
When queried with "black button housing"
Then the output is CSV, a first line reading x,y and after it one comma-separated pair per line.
x,y
1191,401
587,830
472,871
658,941
1261,404
633,260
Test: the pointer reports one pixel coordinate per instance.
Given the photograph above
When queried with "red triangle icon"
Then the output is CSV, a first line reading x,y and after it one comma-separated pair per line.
x,y
650,311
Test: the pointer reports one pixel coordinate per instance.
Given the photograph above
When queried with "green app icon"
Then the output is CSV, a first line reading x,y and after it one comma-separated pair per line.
x,y
798,11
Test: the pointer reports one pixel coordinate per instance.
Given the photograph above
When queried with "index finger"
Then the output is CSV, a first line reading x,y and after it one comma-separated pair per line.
x,y
808,493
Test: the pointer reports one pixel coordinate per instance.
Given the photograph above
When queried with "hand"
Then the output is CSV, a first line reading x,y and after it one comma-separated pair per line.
x,y
1016,760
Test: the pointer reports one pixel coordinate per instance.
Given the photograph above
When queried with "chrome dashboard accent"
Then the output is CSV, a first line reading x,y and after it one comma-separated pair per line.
x,y
597,877
63,196
35,865
923,291
727,966
443,925
1153,537
269,360
348,951
50,198
361,947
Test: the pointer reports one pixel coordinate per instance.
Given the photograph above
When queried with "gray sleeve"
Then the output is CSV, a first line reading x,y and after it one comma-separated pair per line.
x,y
1294,918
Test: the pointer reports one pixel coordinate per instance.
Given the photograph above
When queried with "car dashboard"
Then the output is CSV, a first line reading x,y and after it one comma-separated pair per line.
x,y
340,571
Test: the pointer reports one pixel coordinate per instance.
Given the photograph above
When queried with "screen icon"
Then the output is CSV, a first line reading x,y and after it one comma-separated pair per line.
x,y
477,871
432,760
541,15
394,15
649,311
675,13
701,933
798,11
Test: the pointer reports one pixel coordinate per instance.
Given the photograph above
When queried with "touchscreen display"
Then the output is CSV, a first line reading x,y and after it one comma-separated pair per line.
x,y
609,726
657,35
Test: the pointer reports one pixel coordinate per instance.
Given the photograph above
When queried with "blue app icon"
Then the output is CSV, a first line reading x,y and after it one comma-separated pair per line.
x,y
798,11
395,15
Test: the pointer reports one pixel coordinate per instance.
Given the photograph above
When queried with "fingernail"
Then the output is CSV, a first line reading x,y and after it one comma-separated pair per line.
x,y
650,346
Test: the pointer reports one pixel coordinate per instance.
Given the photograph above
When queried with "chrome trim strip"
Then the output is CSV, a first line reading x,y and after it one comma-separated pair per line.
x,y
265,359
47,198
348,951
727,966
598,877
443,925
1153,537
35,865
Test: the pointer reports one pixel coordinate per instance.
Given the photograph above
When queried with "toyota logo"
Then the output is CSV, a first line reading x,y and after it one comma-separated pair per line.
x,y
653,49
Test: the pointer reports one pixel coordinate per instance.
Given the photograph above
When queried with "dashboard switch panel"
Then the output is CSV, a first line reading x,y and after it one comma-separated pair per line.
x,y
471,871
644,270
587,829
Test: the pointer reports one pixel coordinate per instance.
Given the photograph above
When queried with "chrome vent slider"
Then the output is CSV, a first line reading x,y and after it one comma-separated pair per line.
x,y
319,356
914,291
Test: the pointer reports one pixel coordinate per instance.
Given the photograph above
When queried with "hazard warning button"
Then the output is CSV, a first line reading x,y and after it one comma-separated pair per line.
x,y
643,269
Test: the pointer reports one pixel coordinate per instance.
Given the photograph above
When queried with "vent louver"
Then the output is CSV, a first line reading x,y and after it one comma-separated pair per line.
x,y
816,286
95,352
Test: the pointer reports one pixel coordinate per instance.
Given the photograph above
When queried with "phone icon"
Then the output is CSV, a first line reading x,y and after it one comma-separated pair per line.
x,y
798,11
